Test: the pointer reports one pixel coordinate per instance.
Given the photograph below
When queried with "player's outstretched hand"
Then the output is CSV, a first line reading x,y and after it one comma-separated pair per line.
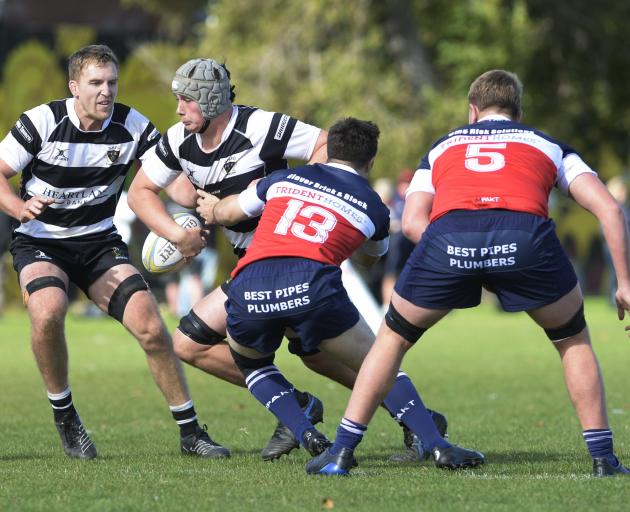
x,y
622,297
34,207
205,205
190,242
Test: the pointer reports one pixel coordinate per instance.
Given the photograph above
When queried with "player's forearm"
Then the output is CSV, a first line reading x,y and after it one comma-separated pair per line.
x,y
150,209
182,192
228,212
10,203
615,230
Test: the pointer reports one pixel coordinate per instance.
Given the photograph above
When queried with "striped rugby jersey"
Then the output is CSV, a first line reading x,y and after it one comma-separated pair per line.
x,y
254,144
83,171
320,212
496,163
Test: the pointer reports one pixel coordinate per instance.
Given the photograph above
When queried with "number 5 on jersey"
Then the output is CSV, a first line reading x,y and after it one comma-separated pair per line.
x,y
482,158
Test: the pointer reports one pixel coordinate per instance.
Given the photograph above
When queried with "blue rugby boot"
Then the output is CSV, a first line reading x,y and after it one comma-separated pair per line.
x,y
455,457
282,440
602,467
328,464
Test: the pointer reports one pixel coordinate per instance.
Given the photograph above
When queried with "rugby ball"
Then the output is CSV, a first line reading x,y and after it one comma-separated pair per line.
x,y
159,255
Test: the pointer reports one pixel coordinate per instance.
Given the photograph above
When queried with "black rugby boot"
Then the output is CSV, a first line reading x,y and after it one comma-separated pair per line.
x,y
76,441
282,440
200,444
455,457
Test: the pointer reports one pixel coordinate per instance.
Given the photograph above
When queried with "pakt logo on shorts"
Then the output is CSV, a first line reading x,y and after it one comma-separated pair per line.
x,y
41,255
118,254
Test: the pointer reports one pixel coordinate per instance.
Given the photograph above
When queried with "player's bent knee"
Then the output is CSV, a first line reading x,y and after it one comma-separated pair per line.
x,y
119,299
248,365
574,326
197,330
397,323
295,348
40,283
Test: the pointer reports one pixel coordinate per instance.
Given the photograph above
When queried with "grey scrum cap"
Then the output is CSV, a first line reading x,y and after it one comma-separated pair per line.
x,y
206,82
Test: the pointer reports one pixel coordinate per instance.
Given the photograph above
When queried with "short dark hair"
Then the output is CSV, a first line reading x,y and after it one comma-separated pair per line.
x,y
497,88
95,53
353,140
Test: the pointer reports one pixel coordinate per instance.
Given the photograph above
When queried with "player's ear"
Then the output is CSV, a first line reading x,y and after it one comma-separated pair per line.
x,y
473,113
370,164
74,88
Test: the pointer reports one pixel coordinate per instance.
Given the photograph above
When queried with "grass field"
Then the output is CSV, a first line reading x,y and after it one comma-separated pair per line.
x,y
493,375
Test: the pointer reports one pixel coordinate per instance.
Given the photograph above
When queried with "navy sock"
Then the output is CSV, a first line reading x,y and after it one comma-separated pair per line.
x,y
186,417
61,403
349,435
276,393
405,405
599,442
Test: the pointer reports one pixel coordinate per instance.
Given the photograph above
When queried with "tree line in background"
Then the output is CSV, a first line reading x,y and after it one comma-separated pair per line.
x,y
405,64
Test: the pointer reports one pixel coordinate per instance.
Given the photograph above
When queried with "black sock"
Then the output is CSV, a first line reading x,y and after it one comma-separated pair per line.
x,y
61,404
186,418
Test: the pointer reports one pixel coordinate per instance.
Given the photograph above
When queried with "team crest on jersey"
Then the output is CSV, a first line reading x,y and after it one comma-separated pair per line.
x,y
118,254
229,165
62,154
41,255
113,152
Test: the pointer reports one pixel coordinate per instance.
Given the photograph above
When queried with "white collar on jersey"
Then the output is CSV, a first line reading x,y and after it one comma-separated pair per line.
x,y
494,117
342,166
74,118
226,132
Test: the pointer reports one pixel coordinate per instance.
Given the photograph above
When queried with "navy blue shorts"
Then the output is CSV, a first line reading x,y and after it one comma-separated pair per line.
x,y
270,295
84,260
515,255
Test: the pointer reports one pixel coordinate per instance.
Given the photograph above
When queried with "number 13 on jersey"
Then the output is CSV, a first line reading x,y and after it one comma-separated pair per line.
x,y
315,230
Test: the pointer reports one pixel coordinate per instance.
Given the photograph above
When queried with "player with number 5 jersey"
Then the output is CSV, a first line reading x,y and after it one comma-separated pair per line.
x,y
477,208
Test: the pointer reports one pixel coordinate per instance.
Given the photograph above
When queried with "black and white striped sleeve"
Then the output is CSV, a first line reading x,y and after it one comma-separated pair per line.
x,y
162,164
288,138
24,141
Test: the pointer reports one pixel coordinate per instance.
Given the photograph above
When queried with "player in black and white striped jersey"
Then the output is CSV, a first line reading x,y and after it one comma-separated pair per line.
x,y
74,155
220,148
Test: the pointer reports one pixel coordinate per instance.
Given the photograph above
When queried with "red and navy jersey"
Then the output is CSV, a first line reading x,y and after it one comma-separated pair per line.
x,y
496,163
320,212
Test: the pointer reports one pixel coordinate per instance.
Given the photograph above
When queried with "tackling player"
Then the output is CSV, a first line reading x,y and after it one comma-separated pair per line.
x,y
478,206
75,154
220,148
313,218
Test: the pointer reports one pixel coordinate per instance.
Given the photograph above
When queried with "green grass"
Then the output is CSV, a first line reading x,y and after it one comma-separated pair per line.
x,y
494,376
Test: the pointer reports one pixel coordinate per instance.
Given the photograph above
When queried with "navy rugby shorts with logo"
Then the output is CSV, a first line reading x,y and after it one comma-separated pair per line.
x,y
270,295
83,259
516,255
